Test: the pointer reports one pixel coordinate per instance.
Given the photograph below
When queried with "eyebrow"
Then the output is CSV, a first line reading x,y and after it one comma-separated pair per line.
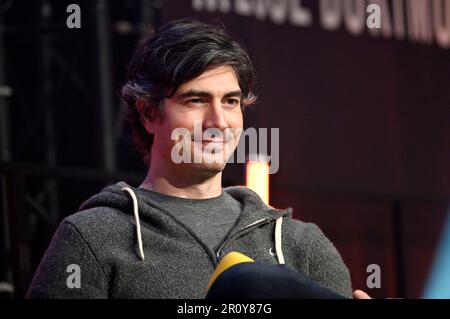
x,y
206,94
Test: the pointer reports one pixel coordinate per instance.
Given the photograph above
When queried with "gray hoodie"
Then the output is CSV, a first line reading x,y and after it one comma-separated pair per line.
x,y
122,245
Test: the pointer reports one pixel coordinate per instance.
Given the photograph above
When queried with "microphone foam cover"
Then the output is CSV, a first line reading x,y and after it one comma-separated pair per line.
x,y
230,259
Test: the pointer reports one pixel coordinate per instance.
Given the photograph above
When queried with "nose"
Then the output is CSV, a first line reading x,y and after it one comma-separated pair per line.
x,y
215,117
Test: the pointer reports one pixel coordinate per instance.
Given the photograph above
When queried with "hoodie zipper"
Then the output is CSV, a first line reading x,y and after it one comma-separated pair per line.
x,y
256,224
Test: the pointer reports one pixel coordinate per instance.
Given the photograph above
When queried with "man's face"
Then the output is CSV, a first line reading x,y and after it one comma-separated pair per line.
x,y
210,103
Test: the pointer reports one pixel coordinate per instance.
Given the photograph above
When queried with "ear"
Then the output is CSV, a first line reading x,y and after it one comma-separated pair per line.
x,y
146,116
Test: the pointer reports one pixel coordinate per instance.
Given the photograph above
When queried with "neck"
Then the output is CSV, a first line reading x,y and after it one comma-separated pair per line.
x,y
185,184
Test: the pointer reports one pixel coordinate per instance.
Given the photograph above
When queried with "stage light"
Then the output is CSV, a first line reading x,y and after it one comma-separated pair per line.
x,y
257,176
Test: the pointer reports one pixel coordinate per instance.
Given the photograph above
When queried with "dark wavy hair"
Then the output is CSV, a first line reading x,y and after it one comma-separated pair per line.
x,y
178,52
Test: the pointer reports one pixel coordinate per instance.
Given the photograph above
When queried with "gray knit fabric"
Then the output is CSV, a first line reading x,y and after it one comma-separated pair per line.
x,y
210,219
101,240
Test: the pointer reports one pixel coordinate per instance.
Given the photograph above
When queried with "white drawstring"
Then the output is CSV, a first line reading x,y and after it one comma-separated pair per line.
x,y
278,249
136,218
278,224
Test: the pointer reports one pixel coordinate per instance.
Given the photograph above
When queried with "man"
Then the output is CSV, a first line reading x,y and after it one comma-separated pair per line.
x,y
164,238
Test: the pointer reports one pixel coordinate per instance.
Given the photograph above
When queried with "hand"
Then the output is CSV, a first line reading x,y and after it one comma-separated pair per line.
x,y
359,294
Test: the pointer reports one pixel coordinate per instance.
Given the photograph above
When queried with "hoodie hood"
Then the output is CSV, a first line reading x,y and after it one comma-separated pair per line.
x,y
125,198
115,197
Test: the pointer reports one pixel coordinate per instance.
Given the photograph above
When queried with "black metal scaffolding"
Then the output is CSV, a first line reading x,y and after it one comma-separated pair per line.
x,y
49,74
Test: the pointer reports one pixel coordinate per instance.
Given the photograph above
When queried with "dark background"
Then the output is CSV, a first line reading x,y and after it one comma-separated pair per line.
x,y
364,130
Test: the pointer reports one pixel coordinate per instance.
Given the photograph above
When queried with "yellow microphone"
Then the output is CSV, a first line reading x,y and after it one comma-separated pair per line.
x,y
262,281
231,259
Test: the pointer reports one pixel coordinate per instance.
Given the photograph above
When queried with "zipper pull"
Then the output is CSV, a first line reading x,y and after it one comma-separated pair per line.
x,y
261,221
257,223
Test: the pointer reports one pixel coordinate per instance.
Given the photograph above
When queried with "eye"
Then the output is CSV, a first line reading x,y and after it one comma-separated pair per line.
x,y
195,101
233,102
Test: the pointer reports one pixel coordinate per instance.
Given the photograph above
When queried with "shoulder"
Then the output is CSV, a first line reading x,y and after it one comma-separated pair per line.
x,y
309,237
324,264
96,217
300,231
100,225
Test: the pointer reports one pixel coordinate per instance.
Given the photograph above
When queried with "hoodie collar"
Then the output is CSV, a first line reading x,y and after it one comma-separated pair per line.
x,y
253,208
113,196
254,212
